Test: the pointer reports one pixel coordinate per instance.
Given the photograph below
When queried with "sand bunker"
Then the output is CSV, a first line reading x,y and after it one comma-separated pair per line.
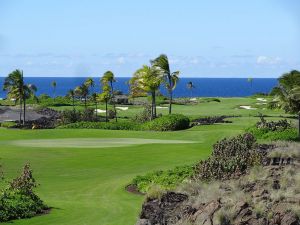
x,y
161,107
122,108
92,142
247,107
261,99
100,111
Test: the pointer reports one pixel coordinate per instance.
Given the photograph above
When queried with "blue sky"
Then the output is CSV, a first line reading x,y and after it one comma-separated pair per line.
x,y
203,38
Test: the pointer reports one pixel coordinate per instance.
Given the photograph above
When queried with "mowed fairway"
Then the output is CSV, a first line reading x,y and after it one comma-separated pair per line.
x,y
85,184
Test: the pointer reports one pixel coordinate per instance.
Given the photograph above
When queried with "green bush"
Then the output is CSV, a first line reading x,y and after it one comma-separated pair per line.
x,y
168,123
290,134
8,124
166,180
18,200
121,125
230,157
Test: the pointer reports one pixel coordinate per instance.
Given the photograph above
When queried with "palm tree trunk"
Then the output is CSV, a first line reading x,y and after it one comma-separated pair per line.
x,y
113,101
170,101
96,109
21,106
153,111
106,113
24,111
73,100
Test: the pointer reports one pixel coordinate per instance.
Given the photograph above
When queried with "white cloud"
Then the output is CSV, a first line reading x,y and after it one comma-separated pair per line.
x,y
265,60
121,60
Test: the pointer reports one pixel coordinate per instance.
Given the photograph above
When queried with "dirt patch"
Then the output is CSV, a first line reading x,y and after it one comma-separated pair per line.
x,y
131,188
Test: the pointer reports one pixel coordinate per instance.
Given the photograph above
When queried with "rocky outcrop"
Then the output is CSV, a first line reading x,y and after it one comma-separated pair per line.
x,y
268,195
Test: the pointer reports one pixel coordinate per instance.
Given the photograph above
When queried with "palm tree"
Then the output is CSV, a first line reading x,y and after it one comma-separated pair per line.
x,y
15,86
104,97
90,83
109,78
95,100
190,86
148,80
287,93
71,94
170,78
83,92
53,85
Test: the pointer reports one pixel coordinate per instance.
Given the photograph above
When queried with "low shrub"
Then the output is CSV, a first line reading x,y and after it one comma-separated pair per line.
x,y
143,116
290,134
8,124
168,123
280,125
166,180
230,157
18,200
73,116
121,125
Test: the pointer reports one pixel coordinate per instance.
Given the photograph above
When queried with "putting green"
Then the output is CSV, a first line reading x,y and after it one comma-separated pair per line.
x,y
92,142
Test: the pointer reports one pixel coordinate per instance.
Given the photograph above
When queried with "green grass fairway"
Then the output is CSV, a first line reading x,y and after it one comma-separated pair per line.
x,y
83,178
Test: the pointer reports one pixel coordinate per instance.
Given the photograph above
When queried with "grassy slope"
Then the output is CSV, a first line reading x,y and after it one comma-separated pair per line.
x,y
86,186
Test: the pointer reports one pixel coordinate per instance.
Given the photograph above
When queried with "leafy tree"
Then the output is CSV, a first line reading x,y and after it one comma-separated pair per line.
x,y
170,78
148,80
53,85
109,78
15,86
82,91
287,93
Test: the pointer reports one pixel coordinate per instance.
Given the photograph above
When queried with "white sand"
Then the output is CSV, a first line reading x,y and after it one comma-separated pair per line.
x,y
262,99
122,108
248,107
261,103
92,142
161,107
100,111
193,99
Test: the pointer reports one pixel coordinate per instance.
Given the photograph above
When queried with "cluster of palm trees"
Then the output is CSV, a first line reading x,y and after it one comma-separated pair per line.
x,y
18,90
148,79
86,91
287,93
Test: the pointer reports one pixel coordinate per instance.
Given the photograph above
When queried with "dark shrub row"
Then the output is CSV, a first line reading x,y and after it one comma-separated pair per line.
x,y
121,125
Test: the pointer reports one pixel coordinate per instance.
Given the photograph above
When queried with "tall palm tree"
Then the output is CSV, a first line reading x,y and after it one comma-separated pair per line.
x,y
90,83
95,100
83,92
170,78
15,86
71,94
148,80
53,85
104,97
287,93
109,78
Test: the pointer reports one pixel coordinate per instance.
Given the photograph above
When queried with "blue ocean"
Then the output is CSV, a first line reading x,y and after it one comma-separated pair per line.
x,y
203,87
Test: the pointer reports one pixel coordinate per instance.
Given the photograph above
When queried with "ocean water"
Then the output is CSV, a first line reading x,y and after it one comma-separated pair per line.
x,y
204,87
